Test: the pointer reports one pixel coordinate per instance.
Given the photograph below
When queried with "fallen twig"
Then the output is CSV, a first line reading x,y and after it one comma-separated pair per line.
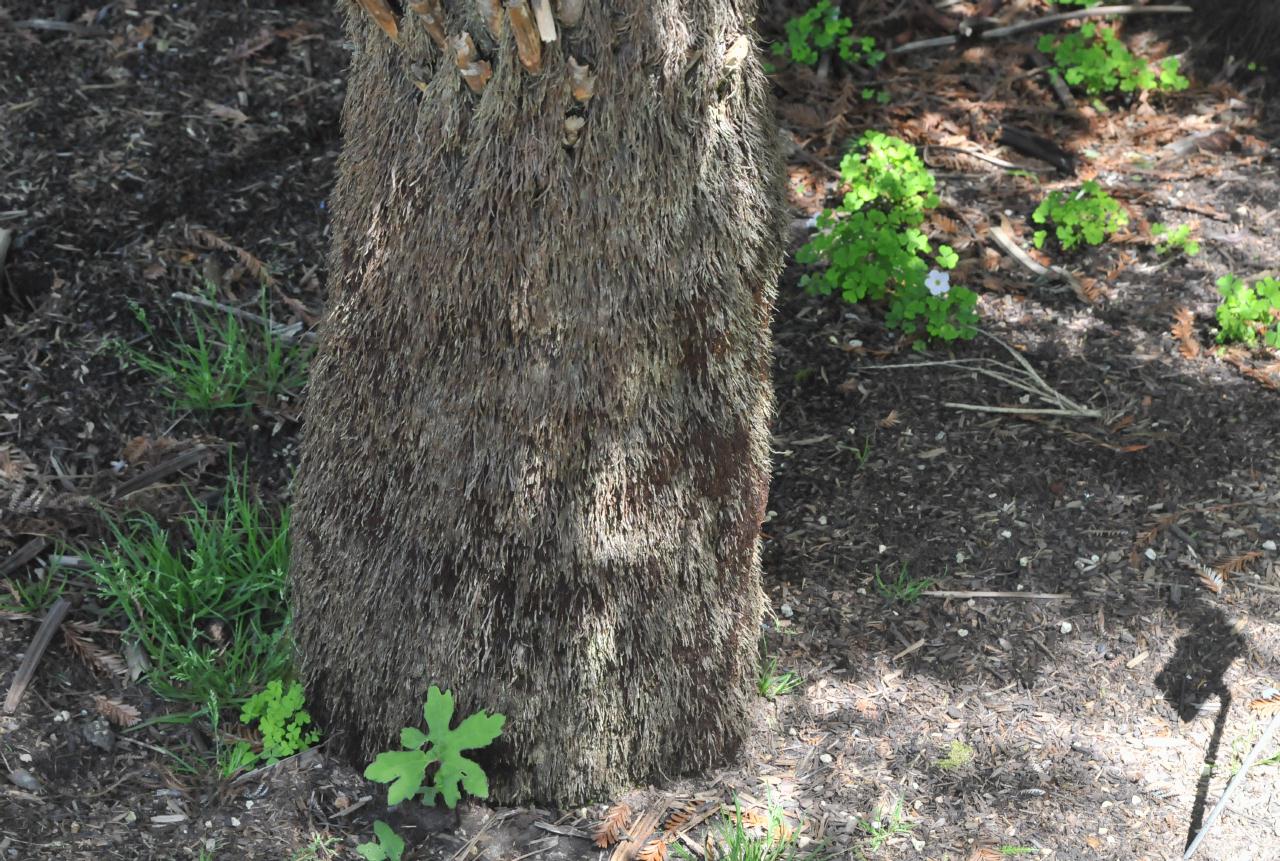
x,y
31,658
23,555
990,159
1231,787
1010,245
960,593
1041,23
289,334
1024,378
162,470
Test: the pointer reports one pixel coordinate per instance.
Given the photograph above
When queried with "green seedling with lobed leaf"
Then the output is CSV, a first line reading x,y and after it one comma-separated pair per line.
x,y
1088,215
406,770
874,249
1249,312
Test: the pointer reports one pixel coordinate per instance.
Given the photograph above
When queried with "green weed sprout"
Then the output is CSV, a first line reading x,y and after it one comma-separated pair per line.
x,y
738,843
885,824
874,248
772,684
1087,215
225,365
1094,58
1176,240
819,30
1248,312
386,846
902,588
282,721
406,769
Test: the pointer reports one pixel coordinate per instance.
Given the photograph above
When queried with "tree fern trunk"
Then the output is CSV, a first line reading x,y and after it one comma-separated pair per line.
x,y
536,448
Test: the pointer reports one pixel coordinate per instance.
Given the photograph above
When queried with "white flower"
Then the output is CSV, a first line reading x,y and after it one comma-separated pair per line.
x,y
937,282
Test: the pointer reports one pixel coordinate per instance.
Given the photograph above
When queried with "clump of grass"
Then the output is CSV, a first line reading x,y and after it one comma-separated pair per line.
x,y
225,363
206,600
31,596
883,825
772,683
903,588
746,837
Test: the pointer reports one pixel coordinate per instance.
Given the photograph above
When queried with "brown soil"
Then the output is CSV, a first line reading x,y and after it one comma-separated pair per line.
x,y
148,148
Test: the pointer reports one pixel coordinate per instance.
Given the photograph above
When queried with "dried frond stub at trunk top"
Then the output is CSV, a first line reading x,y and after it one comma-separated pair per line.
x,y
475,72
570,11
612,825
528,42
432,20
491,12
581,82
382,15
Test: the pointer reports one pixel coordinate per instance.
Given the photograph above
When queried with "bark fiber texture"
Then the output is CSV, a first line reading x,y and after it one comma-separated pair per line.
x,y
536,452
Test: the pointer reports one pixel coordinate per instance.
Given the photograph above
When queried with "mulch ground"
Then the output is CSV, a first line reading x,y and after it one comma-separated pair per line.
x,y
1103,587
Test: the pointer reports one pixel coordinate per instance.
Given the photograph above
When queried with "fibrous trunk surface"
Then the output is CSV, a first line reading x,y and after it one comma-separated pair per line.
x,y
536,452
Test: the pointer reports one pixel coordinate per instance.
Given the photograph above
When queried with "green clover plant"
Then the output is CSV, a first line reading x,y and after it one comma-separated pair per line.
x,y
874,248
1088,214
282,722
1094,57
1174,240
822,28
1249,311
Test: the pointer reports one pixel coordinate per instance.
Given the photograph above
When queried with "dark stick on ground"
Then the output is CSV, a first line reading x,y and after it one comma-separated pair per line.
x,y
31,659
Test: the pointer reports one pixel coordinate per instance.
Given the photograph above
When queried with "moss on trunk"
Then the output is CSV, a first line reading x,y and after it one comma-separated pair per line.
x,y
536,448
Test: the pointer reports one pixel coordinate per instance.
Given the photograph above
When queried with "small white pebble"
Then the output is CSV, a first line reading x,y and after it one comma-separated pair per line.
x,y
822,521
24,757
959,557
824,758
1005,533
235,823
1024,561
883,548
963,632
785,611
62,716
1150,553
1065,627
1268,545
